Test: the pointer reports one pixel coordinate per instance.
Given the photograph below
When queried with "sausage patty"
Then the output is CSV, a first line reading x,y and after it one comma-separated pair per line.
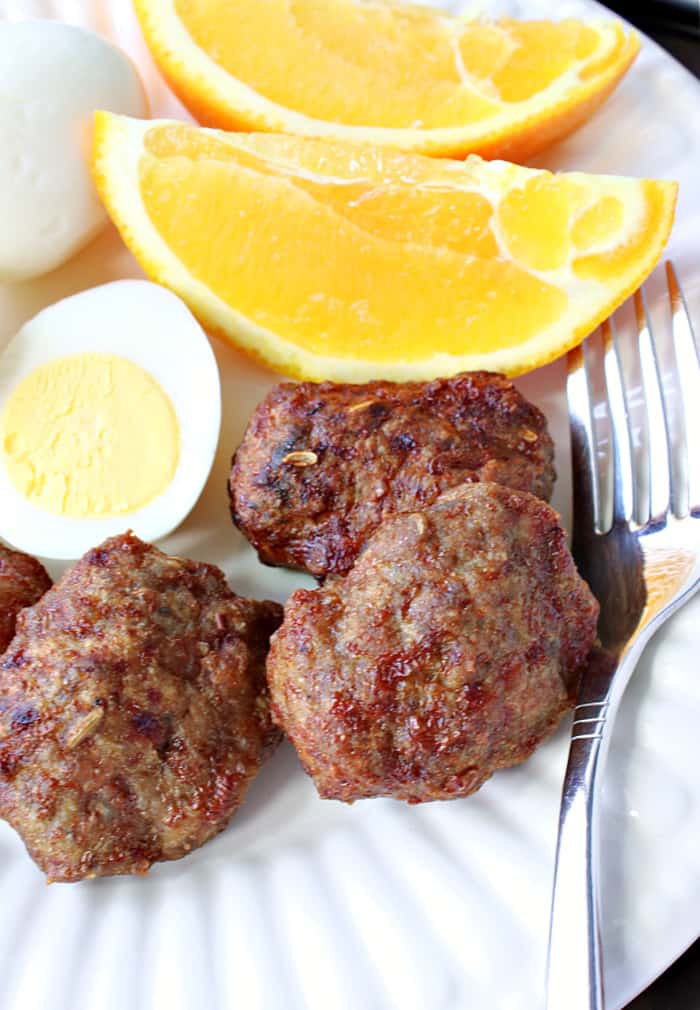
x,y
23,580
133,711
451,649
320,466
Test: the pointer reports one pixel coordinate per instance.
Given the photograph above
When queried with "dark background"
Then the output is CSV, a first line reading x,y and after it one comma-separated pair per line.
x,y
676,26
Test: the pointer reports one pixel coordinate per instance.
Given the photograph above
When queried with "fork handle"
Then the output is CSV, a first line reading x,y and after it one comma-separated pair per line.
x,y
574,966
574,962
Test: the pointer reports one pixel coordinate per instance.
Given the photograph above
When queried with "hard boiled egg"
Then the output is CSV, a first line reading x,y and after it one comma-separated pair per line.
x,y
110,410
52,78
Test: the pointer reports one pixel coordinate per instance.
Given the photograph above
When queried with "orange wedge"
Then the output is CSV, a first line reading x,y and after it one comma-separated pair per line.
x,y
385,73
333,260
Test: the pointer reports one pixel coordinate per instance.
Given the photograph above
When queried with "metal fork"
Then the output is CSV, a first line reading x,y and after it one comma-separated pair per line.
x,y
642,568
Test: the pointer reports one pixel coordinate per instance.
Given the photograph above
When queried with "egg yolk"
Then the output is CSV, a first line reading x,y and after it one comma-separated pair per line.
x,y
90,436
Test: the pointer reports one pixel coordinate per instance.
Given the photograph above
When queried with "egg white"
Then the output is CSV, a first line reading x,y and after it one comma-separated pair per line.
x,y
150,326
52,78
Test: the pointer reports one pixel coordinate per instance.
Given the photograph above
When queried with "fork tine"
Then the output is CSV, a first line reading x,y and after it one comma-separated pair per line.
x,y
657,426
623,470
688,368
585,486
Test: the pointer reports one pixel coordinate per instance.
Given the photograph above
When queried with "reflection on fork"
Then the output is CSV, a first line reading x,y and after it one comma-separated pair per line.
x,y
641,558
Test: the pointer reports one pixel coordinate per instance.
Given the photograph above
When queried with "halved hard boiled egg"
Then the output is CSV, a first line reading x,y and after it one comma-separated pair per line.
x,y
110,411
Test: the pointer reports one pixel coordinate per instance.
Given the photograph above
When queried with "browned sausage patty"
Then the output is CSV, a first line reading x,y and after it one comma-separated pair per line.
x,y
22,582
320,466
133,711
450,650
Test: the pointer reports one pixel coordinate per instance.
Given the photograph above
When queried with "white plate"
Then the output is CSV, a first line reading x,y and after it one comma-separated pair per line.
x,y
310,905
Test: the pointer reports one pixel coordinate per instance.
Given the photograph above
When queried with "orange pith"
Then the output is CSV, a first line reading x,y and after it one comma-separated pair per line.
x,y
382,263
407,76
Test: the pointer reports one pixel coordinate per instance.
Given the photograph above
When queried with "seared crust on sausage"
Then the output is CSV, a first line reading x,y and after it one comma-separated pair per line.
x,y
451,649
133,711
321,466
23,580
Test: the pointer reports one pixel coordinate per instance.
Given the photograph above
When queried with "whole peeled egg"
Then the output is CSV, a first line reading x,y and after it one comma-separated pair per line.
x,y
52,78
110,410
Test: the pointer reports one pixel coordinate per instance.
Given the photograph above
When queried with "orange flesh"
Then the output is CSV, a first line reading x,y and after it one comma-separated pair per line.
x,y
350,270
375,64
598,222
354,251
605,266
